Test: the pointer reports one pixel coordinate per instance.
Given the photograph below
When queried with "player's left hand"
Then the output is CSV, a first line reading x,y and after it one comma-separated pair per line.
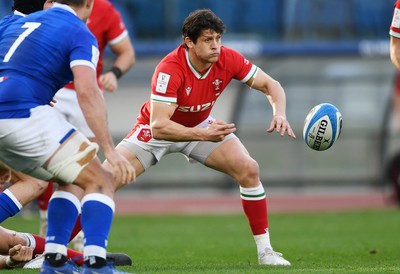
x,y
281,125
109,81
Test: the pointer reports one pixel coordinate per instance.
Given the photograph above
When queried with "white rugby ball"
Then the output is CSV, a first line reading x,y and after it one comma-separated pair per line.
x,y
322,126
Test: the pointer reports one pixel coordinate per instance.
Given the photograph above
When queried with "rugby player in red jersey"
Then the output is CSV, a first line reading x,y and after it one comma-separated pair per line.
x,y
185,86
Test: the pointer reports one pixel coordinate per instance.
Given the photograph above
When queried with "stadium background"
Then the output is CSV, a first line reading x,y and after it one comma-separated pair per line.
x,y
320,51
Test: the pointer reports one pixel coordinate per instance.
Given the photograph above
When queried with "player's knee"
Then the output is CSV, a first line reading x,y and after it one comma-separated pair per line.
x,y
95,178
248,171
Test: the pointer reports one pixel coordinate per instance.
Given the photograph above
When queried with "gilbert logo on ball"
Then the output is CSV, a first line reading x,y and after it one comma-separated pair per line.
x,y
322,126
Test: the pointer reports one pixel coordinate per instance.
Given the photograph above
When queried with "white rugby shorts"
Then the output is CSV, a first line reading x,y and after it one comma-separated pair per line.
x,y
27,143
67,104
149,150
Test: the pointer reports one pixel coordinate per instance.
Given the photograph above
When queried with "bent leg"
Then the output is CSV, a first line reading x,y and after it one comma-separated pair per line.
x,y
96,206
232,158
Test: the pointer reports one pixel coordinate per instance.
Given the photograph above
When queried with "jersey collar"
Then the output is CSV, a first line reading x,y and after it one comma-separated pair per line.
x,y
193,69
65,7
19,13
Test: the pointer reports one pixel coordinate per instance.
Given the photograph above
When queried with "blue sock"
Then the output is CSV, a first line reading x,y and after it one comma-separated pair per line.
x,y
63,211
9,205
96,220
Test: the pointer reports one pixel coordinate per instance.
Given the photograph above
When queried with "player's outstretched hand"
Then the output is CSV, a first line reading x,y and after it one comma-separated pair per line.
x,y
219,129
124,172
281,125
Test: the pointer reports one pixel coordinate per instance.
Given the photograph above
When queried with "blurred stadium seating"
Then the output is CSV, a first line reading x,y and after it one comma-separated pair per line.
x,y
320,50
266,19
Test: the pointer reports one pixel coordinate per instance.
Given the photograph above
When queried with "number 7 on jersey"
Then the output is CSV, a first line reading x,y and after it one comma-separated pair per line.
x,y
30,27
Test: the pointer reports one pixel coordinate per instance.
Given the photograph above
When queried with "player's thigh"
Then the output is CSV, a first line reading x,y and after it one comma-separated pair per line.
x,y
132,156
231,157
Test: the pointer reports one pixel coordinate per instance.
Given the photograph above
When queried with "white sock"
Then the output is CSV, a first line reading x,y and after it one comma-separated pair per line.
x,y
262,242
43,214
30,240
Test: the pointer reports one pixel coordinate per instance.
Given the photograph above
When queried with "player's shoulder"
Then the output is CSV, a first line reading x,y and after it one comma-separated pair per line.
x,y
177,56
173,63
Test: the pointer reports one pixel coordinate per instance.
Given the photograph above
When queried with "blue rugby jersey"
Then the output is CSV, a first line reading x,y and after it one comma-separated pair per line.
x,y
36,56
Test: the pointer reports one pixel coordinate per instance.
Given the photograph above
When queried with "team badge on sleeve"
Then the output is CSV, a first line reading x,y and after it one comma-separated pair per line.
x,y
396,18
162,82
95,55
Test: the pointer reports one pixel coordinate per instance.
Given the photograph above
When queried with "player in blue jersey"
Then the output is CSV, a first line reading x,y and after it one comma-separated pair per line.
x,y
24,188
36,140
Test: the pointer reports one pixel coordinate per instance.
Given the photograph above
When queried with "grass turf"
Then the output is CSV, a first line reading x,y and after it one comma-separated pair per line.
x,y
348,242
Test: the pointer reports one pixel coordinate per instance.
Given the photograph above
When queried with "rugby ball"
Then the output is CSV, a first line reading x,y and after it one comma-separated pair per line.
x,y
322,126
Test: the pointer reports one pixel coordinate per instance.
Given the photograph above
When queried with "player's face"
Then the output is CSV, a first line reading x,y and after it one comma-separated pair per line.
x,y
208,46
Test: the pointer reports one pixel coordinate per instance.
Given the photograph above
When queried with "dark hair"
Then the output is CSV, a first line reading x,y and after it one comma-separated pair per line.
x,y
200,20
28,6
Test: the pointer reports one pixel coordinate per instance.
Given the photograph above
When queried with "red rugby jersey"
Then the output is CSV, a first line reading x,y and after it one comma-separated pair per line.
x,y
176,81
395,26
105,22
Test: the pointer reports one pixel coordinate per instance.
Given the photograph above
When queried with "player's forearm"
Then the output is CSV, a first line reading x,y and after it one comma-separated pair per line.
x,y
125,61
94,110
174,132
125,55
277,99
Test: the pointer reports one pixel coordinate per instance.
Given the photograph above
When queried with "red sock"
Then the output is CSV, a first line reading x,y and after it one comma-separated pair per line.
x,y
71,254
76,256
77,228
256,212
40,241
44,198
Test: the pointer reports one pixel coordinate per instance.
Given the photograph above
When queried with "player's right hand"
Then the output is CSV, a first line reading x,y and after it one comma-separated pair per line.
x,y
218,130
124,172
19,253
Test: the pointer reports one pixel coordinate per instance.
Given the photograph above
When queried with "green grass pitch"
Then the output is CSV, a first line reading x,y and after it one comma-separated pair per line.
x,y
350,242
